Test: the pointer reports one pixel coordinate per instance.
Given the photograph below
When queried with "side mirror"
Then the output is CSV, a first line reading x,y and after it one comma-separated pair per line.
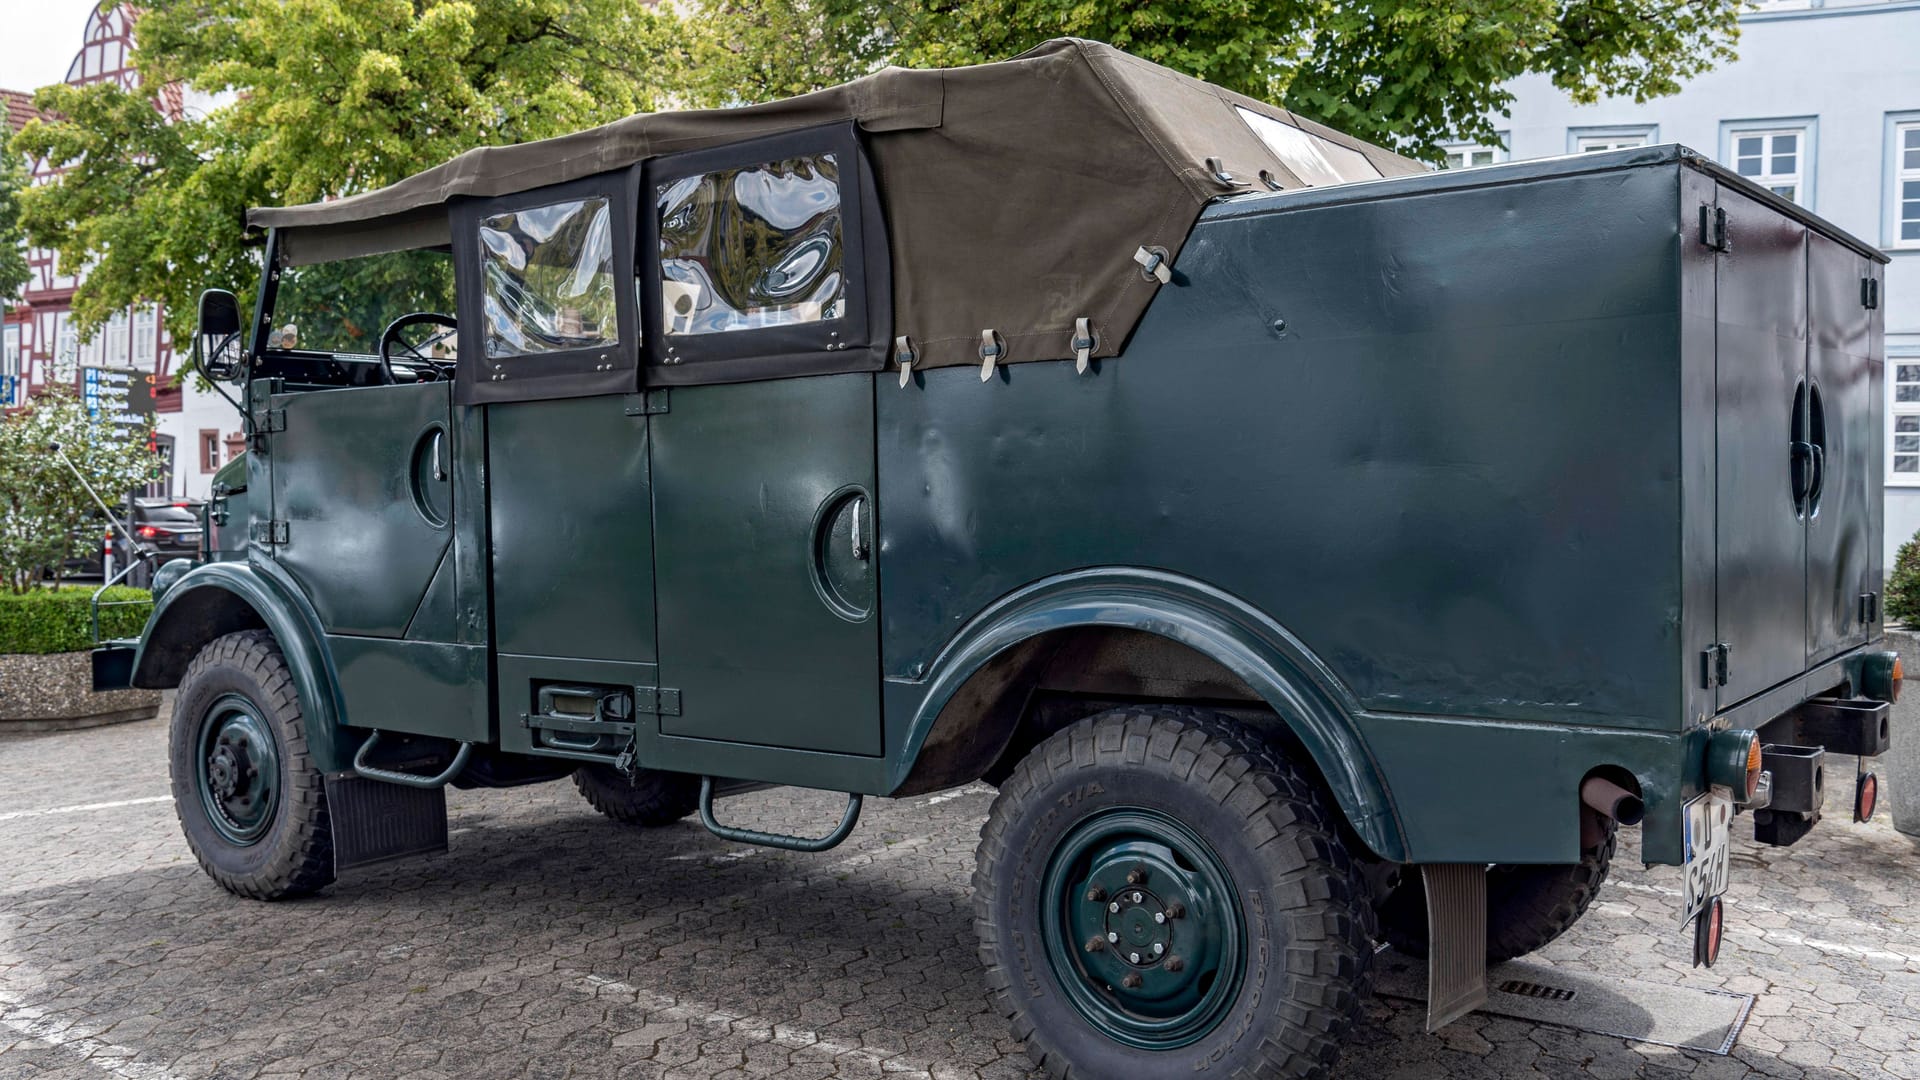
x,y
216,340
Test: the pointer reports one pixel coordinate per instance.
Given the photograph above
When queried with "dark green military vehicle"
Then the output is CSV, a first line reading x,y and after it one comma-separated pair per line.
x,y
1312,548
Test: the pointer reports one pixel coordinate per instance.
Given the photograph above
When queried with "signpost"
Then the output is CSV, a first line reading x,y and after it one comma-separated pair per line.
x,y
121,396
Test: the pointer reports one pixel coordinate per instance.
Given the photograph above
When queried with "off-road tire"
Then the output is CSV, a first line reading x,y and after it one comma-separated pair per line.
x,y
1302,898
651,798
1527,906
295,855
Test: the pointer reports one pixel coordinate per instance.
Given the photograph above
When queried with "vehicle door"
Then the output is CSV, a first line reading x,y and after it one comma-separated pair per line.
x,y
767,278
1844,424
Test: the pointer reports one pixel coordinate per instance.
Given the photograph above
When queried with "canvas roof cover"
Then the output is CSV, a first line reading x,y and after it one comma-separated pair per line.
x,y
1016,194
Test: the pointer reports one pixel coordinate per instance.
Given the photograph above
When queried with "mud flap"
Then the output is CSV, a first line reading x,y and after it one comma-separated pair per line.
x,y
1456,941
374,822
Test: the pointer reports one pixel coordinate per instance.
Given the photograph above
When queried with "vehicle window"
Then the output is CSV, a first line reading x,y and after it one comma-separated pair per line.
x,y
751,247
342,307
548,279
1316,161
167,512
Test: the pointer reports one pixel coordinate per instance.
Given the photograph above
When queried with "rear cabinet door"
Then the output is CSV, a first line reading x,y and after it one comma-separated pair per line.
x,y
1761,366
1844,424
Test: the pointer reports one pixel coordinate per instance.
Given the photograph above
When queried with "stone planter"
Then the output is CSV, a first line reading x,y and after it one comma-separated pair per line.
x,y
1900,766
54,692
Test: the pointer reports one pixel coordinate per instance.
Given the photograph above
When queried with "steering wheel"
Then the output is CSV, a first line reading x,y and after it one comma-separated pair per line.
x,y
391,337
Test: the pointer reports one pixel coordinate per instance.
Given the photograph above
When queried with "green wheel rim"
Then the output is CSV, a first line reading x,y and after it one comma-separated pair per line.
x,y
1143,928
237,770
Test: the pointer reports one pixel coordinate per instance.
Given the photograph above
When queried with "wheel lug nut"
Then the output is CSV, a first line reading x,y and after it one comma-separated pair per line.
x,y
1158,948
1133,958
1131,981
1137,876
1111,936
1096,894
1174,963
1136,898
1160,916
1114,907
1095,944
1176,909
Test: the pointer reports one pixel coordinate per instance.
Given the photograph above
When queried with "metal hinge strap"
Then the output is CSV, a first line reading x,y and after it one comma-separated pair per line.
x,y
268,532
1715,662
649,403
656,700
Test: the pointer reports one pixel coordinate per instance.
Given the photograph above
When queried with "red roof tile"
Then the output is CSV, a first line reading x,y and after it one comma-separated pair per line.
x,y
19,109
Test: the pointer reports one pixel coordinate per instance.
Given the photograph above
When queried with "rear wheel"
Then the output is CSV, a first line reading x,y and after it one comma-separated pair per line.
x,y
1527,906
250,801
1159,890
651,797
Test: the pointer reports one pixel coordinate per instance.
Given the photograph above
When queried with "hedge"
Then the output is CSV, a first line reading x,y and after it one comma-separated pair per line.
x,y
1903,585
60,620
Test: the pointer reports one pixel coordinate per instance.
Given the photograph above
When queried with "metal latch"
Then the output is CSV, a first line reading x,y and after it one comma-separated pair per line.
x,y
268,532
1869,607
1713,227
1714,662
1869,293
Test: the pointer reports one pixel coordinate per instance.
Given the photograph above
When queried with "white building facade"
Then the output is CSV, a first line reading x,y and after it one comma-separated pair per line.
x,y
1823,107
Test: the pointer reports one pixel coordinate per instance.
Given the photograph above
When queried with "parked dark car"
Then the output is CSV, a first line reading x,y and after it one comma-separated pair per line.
x,y
171,528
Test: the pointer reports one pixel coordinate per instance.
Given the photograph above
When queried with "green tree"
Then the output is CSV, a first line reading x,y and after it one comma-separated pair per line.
x,y
1409,74
46,515
310,99
13,239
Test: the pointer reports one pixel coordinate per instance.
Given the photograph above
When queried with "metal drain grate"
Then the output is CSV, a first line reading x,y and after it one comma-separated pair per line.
x,y
1535,990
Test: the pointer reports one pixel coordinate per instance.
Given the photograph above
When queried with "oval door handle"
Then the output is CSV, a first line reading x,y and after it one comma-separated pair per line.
x,y
439,470
1800,469
859,534
1818,482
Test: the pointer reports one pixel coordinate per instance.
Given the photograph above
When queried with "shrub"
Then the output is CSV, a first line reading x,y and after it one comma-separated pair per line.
x,y
1903,585
60,620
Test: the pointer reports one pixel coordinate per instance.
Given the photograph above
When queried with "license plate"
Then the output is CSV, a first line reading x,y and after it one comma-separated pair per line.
x,y
1709,844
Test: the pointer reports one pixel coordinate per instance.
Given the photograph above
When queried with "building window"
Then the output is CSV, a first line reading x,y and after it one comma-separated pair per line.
x,y
1776,155
116,345
1600,140
146,337
209,450
1906,419
1906,181
1473,155
9,366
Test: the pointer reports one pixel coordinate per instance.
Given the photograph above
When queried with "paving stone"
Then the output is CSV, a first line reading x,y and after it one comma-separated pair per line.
x,y
552,943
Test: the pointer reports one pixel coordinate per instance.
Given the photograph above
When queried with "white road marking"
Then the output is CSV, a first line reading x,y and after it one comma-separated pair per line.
x,y
44,1027
14,815
949,796
665,1006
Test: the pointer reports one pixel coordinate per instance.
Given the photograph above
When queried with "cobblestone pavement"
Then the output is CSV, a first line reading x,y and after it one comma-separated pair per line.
x,y
552,943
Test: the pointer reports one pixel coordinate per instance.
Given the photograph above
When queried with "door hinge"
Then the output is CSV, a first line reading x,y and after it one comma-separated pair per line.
x,y
1869,607
1869,293
650,403
1713,227
268,532
270,421
1714,663
656,700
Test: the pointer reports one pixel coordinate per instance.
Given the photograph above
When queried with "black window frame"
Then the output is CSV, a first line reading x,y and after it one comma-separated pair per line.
x,y
586,372
857,341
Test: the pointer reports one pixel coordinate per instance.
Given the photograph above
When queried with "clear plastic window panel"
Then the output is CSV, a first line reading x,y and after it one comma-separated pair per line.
x,y
752,247
548,279
1316,161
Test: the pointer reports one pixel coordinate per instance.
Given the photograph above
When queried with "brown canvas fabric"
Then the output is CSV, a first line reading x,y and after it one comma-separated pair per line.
x,y
1016,194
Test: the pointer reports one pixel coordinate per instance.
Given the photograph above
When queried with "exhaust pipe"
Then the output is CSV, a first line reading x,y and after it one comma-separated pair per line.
x,y
1610,800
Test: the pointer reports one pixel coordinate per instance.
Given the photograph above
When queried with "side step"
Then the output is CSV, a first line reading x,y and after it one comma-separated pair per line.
x,y
776,840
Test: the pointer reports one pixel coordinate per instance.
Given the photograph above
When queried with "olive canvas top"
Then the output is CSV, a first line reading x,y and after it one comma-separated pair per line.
x,y
1019,197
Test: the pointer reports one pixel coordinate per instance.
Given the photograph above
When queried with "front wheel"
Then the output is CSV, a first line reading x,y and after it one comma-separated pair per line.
x,y
250,801
1159,891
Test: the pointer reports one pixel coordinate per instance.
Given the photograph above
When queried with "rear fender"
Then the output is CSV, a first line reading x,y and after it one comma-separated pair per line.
x,y
226,597
1271,661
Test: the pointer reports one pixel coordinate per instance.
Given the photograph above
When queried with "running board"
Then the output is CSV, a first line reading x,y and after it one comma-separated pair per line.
x,y
776,840
1456,941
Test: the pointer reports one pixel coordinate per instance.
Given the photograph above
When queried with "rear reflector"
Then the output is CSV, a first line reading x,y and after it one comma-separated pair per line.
x,y
1866,797
1708,927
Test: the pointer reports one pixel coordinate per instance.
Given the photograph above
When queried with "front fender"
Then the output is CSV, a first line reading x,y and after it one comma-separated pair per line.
x,y
1269,659
225,597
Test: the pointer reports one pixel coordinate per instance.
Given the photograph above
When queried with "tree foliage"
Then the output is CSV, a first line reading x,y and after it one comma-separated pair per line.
x,y
309,99
46,515
13,239
300,100
1409,74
